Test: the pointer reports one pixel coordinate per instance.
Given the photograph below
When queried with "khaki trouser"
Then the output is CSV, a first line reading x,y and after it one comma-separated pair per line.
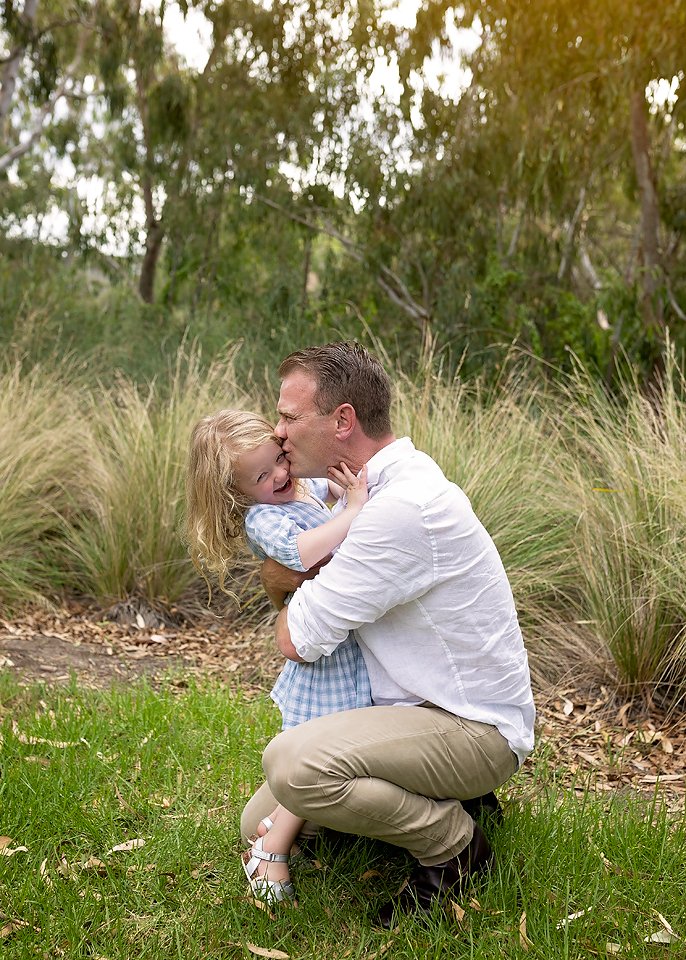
x,y
393,773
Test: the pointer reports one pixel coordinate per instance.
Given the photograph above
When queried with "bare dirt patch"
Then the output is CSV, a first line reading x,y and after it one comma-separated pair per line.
x,y
53,646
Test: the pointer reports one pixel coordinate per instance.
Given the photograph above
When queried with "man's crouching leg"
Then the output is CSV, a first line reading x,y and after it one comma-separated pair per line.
x,y
396,774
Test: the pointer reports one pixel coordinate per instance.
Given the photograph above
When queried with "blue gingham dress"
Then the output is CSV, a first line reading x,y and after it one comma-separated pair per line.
x,y
304,691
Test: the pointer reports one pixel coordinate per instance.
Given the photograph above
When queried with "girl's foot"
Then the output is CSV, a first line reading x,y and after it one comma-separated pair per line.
x,y
268,874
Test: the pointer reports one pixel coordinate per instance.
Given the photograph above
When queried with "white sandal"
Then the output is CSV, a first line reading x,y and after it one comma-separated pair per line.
x,y
267,823
270,891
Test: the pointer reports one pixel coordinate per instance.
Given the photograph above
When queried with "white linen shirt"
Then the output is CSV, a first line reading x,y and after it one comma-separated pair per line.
x,y
422,584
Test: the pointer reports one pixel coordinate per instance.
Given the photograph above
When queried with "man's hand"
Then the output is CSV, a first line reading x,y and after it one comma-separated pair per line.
x,y
283,638
278,581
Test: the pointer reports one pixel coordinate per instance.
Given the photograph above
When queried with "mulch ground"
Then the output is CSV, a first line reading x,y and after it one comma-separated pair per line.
x,y
594,740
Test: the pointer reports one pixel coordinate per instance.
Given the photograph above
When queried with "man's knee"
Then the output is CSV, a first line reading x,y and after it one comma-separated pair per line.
x,y
283,766
293,767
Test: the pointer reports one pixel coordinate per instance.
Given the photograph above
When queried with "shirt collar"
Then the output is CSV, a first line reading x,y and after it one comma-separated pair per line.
x,y
399,449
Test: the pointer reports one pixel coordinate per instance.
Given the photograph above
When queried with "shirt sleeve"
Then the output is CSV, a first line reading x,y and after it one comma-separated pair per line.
x,y
270,532
385,561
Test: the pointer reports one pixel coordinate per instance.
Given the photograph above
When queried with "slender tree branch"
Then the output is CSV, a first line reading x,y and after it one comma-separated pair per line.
x,y
569,235
37,34
46,111
387,279
673,301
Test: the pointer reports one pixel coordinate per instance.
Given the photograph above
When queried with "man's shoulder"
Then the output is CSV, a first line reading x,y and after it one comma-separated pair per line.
x,y
417,480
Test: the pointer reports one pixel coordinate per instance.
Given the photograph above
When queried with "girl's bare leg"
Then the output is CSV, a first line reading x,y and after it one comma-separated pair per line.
x,y
279,839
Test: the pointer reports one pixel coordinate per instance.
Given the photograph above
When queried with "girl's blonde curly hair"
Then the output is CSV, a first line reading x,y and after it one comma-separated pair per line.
x,y
215,507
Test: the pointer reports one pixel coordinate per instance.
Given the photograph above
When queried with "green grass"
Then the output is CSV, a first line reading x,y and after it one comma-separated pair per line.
x,y
173,767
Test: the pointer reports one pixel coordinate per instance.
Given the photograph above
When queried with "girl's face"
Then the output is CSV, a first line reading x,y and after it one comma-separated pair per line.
x,y
264,474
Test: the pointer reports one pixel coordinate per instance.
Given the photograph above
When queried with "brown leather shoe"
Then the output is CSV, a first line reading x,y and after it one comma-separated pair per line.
x,y
439,882
486,809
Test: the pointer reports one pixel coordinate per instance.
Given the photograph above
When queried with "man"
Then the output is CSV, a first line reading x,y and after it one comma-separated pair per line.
x,y
420,581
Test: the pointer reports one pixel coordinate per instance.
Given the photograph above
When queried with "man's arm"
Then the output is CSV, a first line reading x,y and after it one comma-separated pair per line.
x,y
386,561
283,637
278,581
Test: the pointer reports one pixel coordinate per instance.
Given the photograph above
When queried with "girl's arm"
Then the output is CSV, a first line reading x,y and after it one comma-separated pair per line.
x,y
336,491
315,544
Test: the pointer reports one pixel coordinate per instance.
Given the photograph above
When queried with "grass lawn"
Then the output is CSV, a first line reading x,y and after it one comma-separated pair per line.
x,y
83,771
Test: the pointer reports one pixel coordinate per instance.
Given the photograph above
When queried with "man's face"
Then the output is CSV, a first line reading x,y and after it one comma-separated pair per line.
x,y
308,436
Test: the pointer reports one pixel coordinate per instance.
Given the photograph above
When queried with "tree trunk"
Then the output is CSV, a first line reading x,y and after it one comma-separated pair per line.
x,y
651,303
153,246
11,70
307,250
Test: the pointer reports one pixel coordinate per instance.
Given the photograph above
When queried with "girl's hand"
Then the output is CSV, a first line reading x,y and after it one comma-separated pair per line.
x,y
354,487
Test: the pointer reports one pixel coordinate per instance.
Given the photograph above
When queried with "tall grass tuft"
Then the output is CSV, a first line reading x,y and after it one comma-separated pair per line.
x,y
627,484
41,461
127,541
503,449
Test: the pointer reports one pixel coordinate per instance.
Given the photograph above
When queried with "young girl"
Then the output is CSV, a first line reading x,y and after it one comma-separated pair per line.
x,y
239,487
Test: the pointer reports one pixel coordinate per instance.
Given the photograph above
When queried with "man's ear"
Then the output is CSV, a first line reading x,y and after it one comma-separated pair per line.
x,y
346,420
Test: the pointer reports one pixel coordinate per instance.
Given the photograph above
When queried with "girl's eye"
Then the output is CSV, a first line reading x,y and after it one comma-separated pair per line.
x,y
261,477
281,457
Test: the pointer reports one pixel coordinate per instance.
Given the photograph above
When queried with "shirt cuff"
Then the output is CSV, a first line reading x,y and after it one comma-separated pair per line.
x,y
307,651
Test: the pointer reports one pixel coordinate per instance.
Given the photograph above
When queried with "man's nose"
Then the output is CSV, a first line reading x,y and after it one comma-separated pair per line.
x,y
280,429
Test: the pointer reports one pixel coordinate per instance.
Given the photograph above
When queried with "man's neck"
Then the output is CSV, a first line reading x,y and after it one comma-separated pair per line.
x,y
363,450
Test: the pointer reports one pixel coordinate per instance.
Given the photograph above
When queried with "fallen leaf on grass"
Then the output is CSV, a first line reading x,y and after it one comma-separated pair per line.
x,y
661,937
126,846
9,928
622,714
524,941
261,905
613,948
7,851
561,924
43,872
380,952
589,758
263,952
32,741
65,869
666,935
368,874
10,851
457,911
568,708
94,863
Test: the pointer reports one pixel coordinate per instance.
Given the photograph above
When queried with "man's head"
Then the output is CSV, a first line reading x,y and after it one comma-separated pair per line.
x,y
334,404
